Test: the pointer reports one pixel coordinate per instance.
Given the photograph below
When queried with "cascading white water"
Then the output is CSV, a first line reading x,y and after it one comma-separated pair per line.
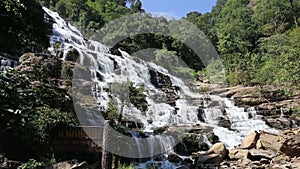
x,y
107,69
242,122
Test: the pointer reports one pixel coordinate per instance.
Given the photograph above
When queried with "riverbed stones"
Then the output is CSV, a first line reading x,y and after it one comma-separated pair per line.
x,y
235,154
219,148
255,154
250,140
291,146
271,141
209,159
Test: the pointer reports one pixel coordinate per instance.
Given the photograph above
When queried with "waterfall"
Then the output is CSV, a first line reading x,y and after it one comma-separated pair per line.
x,y
229,122
5,62
241,122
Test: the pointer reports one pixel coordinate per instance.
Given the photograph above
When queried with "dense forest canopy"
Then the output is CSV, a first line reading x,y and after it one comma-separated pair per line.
x,y
256,39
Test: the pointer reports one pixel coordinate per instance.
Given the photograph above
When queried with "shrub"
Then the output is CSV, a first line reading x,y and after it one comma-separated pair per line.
x,y
32,164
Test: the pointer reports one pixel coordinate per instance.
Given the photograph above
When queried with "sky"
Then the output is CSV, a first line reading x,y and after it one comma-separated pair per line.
x,y
178,8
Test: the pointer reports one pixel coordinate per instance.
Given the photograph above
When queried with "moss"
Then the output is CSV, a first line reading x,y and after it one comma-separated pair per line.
x,y
295,112
112,111
160,130
122,129
212,138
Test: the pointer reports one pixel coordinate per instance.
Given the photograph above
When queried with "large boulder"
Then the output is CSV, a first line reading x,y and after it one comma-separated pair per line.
x,y
235,154
218,148
250,141
271,141
288,142
214,156
291,146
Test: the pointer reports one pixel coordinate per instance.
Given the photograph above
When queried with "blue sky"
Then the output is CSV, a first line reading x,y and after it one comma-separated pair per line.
x,y
178,8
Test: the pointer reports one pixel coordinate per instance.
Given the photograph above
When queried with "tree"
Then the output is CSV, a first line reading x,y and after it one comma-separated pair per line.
x,y
136,6
279,61
275,16
205,23
22,27
237,35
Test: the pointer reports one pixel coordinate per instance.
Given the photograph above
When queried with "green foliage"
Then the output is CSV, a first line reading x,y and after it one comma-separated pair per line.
x,y
112,111
236,39
45,119
32,164
206,23
29,111
127,93
15,93
122,129
279,61
295,112
22,27
160,130
91,15
37,129
276,16
137,97
258,40
126,166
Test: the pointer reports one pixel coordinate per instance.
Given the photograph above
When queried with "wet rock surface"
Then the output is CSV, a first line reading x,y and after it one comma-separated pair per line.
x,y
163,82
277,109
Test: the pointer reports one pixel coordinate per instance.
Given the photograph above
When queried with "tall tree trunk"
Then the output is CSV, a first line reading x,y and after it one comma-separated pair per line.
x,y
106,155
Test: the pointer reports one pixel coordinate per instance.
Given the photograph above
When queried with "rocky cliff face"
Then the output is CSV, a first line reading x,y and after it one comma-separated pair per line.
x,y
50,76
